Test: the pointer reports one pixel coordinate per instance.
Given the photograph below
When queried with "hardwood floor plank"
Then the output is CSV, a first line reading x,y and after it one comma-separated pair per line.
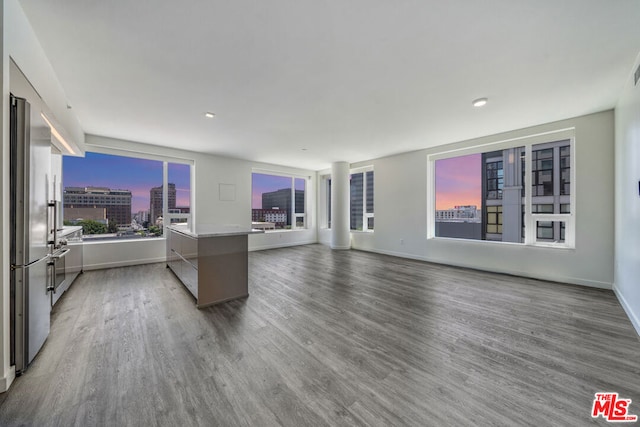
x,y
328,338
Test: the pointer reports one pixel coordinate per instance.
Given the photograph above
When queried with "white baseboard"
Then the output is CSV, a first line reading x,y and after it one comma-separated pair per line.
x,y
633,317
324,242
398,254
561,279
115,264
6,381
340,248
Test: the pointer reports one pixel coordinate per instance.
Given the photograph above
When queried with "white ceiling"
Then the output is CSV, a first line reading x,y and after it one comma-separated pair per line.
x,y
348,80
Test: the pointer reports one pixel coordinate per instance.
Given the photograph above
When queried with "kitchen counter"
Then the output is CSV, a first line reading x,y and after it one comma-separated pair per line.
x,y
68,229
213,230
211,261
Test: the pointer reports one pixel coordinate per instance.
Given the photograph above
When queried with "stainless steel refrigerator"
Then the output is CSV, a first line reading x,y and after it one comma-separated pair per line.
x,y
30,232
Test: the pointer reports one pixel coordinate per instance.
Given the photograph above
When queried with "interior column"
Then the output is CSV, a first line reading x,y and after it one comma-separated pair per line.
x,y
340,234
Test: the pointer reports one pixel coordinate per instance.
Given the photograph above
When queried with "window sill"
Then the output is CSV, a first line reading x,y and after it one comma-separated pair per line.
x,y
285,230
553,246
362,231
116,240
497,243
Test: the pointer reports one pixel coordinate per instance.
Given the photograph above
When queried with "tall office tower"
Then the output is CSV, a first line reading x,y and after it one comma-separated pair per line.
x,y
356,199
155,201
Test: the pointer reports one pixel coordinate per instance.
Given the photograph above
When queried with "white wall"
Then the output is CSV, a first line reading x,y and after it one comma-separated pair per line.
x,y
627,200
18,42
98,255
209,171
400,197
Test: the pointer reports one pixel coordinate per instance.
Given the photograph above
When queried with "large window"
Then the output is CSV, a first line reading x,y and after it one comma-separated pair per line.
x,y
325,195
518,193
361,200
278,202
178,193
118,197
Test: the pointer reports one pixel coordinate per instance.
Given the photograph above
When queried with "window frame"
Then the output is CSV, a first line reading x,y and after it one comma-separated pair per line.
x,y
165,198
325,201
530,219
365,215
132,154
294,215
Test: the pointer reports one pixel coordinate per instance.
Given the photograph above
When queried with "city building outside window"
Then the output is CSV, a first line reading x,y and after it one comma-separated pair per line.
x,y
179,193
517,193
325,201
361,199
120,197
278,202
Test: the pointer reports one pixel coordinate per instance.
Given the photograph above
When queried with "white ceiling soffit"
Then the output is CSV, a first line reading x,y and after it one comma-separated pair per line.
x,y
347,80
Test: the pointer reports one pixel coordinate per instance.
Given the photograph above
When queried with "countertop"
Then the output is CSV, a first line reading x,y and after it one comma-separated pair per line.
x,y
68,229
213,230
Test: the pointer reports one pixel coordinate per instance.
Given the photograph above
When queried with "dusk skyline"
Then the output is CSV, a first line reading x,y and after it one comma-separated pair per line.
x,y
264,183
133,174
140,175
458,181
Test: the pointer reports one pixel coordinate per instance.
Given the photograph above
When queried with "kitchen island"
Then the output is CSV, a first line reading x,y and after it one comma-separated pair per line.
x,y
211,261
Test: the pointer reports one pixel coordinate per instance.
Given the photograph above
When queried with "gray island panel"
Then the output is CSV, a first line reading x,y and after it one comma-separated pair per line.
x,y
212,261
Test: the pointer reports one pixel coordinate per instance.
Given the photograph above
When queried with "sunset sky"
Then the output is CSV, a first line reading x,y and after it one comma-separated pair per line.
x,y
263,183
458,181
125,173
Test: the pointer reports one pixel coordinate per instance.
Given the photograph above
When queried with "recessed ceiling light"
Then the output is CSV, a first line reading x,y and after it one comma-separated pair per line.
x,y
480,102
209,115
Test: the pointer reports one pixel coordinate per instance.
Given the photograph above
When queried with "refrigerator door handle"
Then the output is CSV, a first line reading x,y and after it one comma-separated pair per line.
x,y
31,264
54,226
61,254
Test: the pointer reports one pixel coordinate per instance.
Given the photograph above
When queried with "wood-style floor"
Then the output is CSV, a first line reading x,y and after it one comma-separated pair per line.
x,y
328,338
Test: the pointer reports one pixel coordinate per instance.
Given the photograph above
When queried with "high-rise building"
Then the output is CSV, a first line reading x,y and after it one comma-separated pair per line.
x,y
356,198
357,192
155,201
281,199
503,194
116,202
467,213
